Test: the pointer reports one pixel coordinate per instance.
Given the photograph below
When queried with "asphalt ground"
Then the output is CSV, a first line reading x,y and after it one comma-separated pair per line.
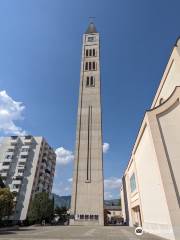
x,y
75,233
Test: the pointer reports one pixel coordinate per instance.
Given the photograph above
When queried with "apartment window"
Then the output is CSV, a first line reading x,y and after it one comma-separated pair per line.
x,y
20,170
9,156
28,137
24,149
90,52
133,183
27,143
10,150
19,177
47,171
22,163
91,217
13,144
14,137
23,156
94,66
94,52
5,163
86,66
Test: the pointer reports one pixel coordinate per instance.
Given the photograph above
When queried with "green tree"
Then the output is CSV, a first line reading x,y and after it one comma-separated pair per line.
x,y
119,202
62,213
41,208
6,203
2,185
106,212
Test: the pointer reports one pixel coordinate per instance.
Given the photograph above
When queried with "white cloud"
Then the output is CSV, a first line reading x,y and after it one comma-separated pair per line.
x,y
61,188
108,195
112,183
106,147
10,111
64,156
70,180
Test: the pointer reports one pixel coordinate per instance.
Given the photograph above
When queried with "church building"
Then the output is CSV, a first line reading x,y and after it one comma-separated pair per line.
x,y
150,192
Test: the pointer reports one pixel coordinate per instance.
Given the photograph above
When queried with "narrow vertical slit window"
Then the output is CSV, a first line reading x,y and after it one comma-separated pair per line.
x,y
86,66
94,53
87,81
86,52
92,81
94,66
88,170
90,66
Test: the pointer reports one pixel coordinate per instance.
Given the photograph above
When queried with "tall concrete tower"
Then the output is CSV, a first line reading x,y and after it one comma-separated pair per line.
x,y
88,189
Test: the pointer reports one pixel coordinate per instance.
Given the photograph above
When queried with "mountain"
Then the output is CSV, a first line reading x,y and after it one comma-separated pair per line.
x,y
65,201
112,202
62,201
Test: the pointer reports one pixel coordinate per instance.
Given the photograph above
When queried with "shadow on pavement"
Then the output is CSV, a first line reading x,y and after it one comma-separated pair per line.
x,y
14,231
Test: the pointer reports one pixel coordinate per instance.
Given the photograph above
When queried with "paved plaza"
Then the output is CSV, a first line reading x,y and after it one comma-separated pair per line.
x,y
75,233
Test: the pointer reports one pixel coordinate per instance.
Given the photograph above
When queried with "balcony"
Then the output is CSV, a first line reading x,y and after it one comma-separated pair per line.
x,y
21,166
22,160
41,178
16,182
43,165
3,174
47,171
15,190
6,167
9,155
7,160
19,174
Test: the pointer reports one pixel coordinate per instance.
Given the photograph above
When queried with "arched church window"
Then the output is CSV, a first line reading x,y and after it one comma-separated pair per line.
x,y
92,81
87,81
90,66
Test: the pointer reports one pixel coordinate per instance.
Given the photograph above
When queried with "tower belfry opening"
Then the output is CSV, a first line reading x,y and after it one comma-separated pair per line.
x,y
88,189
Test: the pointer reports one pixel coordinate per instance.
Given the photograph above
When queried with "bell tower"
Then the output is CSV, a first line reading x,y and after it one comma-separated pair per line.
x,y
87,203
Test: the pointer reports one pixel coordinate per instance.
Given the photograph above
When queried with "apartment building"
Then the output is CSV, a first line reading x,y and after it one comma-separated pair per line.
x,y
150,192
27,166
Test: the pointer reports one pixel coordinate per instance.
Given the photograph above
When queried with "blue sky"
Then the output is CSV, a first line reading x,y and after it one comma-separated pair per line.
x,y
40,50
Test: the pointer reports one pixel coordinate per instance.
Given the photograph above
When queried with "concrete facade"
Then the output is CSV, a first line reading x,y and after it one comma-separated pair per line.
x,y
150,191
88,190
27,166
114,214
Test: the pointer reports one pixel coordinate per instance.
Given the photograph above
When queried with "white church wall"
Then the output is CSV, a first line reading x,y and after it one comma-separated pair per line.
x,y
155,216
169,123
170,79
